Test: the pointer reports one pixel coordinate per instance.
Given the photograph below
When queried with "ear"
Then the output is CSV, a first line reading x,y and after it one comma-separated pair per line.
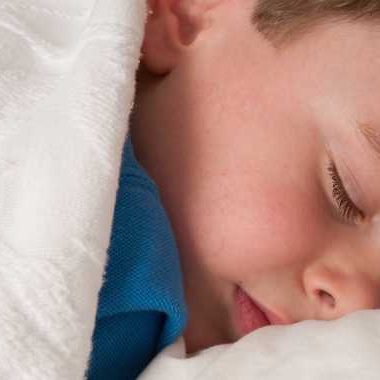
x,y
172,26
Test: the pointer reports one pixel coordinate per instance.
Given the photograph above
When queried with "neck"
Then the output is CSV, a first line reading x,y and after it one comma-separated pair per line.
x,y
142,129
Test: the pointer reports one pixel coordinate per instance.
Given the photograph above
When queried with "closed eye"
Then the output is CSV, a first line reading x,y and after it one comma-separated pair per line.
x,y
345,206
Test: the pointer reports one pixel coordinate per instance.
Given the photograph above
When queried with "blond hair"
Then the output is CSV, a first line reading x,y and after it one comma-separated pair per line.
x,y
283,21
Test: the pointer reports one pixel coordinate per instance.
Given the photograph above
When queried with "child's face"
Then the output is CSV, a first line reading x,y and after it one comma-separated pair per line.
x,y
239,136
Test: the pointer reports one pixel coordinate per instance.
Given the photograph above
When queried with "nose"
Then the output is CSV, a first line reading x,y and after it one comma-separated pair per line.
x,y
334,293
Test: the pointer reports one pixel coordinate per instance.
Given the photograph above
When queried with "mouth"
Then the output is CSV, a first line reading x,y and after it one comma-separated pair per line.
x,y
248,315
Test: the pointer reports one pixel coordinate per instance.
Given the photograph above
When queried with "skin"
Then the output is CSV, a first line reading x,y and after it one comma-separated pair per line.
x,y
238,135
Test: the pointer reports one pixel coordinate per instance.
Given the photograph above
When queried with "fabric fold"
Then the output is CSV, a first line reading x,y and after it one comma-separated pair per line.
x,y
67,76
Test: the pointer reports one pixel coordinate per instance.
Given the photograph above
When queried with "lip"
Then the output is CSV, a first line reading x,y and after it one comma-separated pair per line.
x,y
273,318
249,315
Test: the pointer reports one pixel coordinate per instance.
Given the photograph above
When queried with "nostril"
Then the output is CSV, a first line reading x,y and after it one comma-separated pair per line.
x,y
326,298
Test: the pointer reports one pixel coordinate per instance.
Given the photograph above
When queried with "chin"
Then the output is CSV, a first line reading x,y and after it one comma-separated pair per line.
x,y
198,339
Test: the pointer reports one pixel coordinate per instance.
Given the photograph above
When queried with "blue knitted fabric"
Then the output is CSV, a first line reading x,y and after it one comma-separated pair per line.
x,y
141,305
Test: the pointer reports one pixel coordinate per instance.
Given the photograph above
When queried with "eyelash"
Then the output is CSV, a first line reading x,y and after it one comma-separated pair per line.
x,y
347,208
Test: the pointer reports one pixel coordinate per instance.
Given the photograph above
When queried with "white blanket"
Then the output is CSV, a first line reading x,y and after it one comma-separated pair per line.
x,y
67,75
344,349
67,72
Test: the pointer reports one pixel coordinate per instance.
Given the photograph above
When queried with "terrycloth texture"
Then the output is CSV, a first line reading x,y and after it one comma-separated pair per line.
x,y
67,72
141,307
344,349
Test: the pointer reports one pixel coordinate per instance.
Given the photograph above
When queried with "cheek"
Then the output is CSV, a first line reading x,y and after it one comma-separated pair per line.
x,y
270,227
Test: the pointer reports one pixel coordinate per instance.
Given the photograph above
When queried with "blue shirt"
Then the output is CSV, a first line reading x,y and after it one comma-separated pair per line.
x,y
141,306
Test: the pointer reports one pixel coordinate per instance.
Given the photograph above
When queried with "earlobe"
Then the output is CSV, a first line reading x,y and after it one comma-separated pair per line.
x,y
159,45
171,27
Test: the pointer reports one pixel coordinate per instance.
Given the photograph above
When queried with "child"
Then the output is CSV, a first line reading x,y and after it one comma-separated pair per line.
x,y
258,122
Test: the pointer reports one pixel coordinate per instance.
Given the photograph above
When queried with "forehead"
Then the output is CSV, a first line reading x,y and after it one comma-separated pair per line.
x,y
354,47
334,72
338,34
336,63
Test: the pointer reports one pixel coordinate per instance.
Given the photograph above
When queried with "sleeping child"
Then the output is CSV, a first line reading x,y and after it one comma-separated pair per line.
x,y
249,192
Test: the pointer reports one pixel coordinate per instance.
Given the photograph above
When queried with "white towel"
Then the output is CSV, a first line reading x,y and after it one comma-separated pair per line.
x,y
67,75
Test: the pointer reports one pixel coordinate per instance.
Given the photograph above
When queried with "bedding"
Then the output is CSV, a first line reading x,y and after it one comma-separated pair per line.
x,y
344,349
67,72
67,76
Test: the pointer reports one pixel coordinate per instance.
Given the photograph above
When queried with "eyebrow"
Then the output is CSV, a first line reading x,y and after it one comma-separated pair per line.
x,y
372,137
